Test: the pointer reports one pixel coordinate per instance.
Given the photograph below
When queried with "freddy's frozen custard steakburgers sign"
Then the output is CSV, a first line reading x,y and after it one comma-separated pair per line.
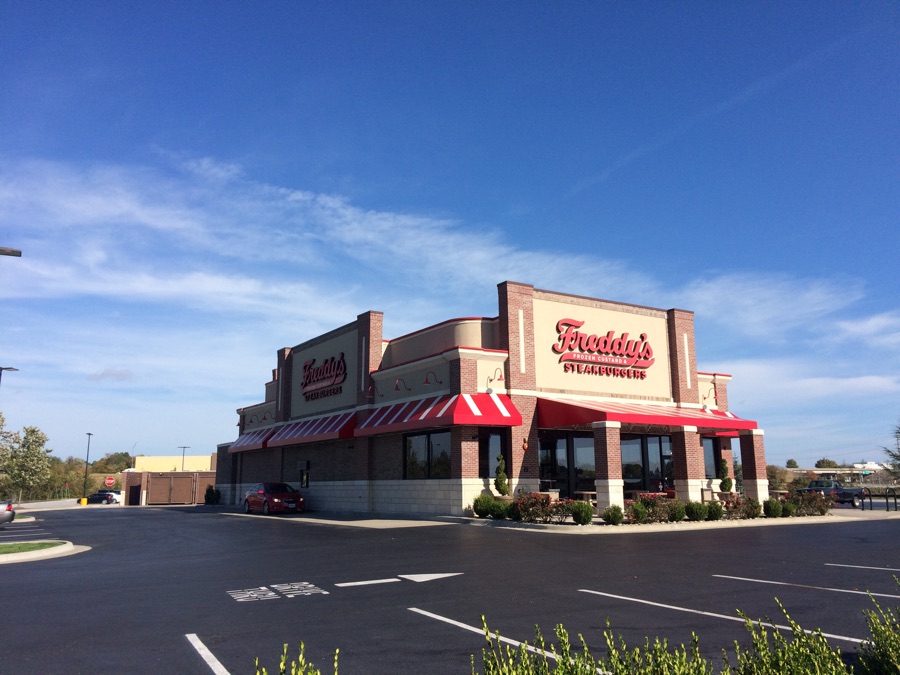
x,y
608,355
325,378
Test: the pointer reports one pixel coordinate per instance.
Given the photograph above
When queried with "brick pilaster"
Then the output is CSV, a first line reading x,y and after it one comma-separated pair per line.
x,y
682,356
753,455
285,384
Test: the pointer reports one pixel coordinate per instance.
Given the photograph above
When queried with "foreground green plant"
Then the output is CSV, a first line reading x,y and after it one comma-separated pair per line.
x,y
299,667
26,547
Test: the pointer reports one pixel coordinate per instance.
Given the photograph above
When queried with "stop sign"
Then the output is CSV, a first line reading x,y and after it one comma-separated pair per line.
x,y
110,481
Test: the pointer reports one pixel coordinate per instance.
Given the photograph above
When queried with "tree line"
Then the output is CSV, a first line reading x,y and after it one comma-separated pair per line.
x,y
28,470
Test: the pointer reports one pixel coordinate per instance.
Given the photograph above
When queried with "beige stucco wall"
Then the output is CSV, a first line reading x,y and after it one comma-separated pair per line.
x,y
599,319
477,333
173,463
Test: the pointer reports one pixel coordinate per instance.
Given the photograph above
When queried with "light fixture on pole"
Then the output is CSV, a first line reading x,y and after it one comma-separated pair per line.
x,y
86,462
10,369
183,448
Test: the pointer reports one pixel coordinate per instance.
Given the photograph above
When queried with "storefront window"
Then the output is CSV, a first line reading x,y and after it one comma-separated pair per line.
x,y
712,457
566,462
491,444
427,456
647,463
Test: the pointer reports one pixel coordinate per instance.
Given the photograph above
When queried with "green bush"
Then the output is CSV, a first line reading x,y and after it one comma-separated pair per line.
x,y
677,510
613,515
772,508
299,667
212,496
881,654
501,482
749,508
716,511
637,512
582,513
501,509
482,505
696,511
788,509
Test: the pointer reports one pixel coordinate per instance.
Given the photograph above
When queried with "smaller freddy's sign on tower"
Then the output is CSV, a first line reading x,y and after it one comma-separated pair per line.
x,y
324,379
606,355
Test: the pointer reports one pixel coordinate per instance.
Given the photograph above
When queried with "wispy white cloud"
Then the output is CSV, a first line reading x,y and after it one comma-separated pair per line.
x,y
174,285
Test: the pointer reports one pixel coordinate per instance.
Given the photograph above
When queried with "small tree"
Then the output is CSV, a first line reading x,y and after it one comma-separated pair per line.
x,y
500,482
725,482
24,460
894,455
826,463
791,464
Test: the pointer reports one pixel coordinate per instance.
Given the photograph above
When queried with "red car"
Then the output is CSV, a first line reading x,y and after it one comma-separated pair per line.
x,y
273,498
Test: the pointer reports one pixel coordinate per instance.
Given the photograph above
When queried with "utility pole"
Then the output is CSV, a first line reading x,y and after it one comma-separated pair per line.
x,y
183,448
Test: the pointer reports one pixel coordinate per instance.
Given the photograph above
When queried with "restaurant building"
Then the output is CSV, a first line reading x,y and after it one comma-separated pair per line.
x,y
586,397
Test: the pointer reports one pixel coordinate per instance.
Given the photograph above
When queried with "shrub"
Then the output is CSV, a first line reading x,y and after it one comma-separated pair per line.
x,y
613,515
772,508
500,509
811,503
582,513
299,667
637,512
676,510
532,508
881,654
725,482
212,496
750,508
559,511
482,505
500,480
715,511
696,511
788,509
657,506
805,652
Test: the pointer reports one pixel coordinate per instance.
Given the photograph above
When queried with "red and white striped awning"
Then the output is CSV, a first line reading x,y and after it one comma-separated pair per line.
x,y
328,428
560,412
440,411
252,440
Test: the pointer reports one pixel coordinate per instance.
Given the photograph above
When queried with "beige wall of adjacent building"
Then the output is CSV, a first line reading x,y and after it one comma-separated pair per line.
x,y
173,463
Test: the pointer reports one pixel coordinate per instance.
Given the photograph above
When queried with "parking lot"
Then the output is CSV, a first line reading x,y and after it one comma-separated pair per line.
x,y
199,590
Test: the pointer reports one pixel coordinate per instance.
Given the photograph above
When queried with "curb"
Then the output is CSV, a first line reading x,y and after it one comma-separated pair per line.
x,y
65,548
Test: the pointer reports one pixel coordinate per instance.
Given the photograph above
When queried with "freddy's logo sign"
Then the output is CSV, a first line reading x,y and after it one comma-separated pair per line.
x,y
324,379
617,356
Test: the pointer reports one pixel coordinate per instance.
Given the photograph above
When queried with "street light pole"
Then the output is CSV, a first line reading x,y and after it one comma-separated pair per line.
x,y
86,462
12,370
183,448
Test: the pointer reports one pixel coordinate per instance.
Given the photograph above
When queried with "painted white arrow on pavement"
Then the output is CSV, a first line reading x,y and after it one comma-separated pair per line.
x,y
418,578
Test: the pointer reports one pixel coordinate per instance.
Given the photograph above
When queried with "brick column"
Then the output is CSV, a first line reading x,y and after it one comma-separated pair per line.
x,y
682,356
368,353
516,331
284,385
687,457
608,464
753,465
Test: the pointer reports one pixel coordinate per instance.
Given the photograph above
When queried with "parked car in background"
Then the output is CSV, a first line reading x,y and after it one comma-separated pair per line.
x,y
836,491
273,498
102,498
7,514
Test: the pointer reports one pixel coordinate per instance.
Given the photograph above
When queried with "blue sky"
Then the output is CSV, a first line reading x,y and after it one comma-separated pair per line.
x,y
195,185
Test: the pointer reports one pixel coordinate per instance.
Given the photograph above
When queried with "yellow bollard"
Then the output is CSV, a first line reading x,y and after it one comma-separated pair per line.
x,y
83,501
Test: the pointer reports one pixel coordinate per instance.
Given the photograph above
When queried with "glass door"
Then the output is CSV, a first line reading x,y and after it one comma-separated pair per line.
x,y
566,462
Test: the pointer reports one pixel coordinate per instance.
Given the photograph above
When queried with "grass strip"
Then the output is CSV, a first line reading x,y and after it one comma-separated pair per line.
x,y
24,547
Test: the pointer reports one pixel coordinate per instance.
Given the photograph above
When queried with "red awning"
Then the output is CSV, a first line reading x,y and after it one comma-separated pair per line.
x,y
440,411
555,413
252,440
328,428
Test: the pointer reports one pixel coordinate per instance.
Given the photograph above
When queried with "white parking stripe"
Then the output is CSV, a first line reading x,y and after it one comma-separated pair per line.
x,y
714,615
815,588
864,567
206,655
480,631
